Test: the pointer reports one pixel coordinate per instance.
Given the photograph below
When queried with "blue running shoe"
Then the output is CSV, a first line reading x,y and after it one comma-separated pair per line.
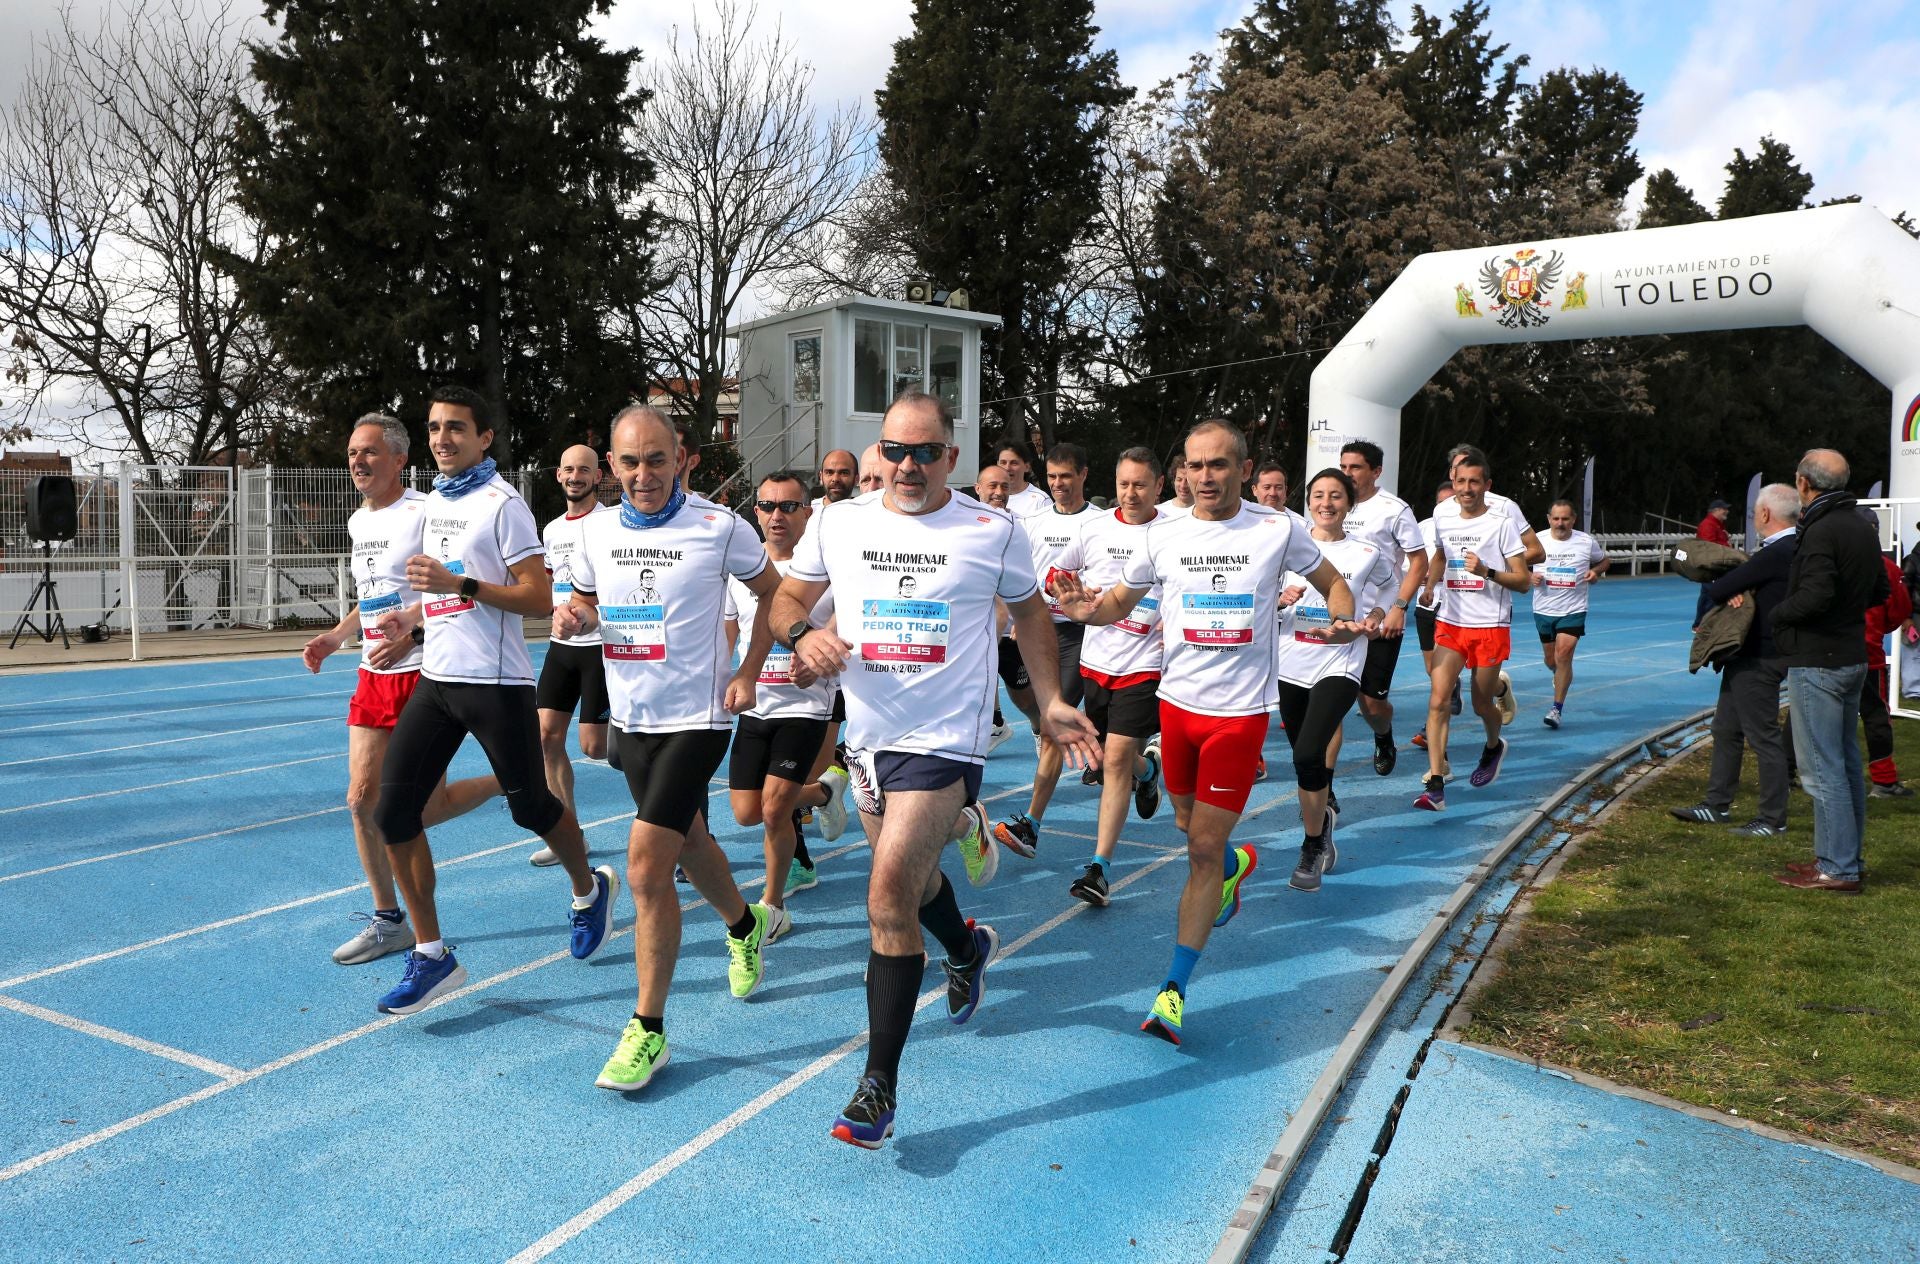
x,y
966,986
868,1119
591,924
423,982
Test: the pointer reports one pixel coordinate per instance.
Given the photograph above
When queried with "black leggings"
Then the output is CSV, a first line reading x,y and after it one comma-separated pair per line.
x,y
1312,717
433,724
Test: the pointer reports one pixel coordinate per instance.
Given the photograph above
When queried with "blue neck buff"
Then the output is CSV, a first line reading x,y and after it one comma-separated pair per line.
x,y
639,520
454,486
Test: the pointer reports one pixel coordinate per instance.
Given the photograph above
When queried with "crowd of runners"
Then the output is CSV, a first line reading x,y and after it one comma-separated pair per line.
x,y
854,647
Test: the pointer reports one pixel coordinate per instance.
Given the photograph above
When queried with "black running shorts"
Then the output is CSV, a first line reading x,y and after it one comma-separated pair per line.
x,y
782,748
1129,711
1423,622
1072,684
435,721
875,773
669,774
574,675
1013,671
1383,655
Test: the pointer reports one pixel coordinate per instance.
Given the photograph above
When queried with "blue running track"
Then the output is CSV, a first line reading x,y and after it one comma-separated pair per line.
x,y
189,1075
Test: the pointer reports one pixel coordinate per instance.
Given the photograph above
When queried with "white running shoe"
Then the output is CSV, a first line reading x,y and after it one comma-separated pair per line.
x,y
833,813
543,858
779,922
1508,704
374,940
1039,744
998,734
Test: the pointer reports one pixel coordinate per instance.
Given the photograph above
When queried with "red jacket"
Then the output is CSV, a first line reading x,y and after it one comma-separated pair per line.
x,y
1885,618
1711,528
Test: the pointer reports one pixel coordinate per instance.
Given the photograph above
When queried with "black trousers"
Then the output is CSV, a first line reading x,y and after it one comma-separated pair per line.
x,y
1749,712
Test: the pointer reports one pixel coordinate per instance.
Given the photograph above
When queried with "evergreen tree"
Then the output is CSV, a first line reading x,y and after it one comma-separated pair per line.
x,y
991,122
1769,182
1668,202
1311,35
452,196
1587,117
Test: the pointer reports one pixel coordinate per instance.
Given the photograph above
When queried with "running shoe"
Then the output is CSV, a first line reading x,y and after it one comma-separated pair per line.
x,y
422,982
833,813
1093,776
976,847
1453,703
377,938
1700,814
801,878
745,964
1420,738
966,986
1434,797
1316,858
544,858
1039,744
638,1055
779,923
1163,1020
591,924
1890,790
1504,699
1552,718
1260,772
680,876
1333,802
998,734
1146,790
1386,756
1487,771
1091,886
1248,861
867,1120
1758,828
1019,836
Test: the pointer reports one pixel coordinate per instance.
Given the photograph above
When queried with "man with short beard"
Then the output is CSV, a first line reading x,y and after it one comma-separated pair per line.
x,y
838,474
992,488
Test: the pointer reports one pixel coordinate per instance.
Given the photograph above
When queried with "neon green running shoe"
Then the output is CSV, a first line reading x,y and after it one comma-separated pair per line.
x,y
745,968
1249,860
638,1055
978,848
1163,1020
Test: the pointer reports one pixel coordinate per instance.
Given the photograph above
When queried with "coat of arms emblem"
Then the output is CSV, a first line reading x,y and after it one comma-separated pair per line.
x,y
1519,287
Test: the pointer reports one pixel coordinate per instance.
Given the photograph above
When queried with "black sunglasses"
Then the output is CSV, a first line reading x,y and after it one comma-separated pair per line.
x,y
922,453
784,506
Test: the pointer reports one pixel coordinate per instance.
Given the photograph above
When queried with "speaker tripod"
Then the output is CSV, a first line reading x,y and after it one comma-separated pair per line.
x,y
43,593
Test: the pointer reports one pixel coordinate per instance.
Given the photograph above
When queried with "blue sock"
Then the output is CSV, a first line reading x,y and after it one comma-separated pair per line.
x,y
1233,863
1095,860
391,915
1184,960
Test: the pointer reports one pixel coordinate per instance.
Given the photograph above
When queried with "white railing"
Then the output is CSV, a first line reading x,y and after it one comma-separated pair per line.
x,y
1653,549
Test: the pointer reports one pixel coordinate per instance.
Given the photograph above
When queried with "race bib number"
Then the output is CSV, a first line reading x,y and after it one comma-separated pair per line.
x,y
1217,618
372,610
449,603
634,633
562,592
1309,620
1563,576
778,669
1460,579
1145,614
900,631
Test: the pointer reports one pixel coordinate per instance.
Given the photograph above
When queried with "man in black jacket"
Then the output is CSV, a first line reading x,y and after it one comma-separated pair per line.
x,y
1820,631
1749,707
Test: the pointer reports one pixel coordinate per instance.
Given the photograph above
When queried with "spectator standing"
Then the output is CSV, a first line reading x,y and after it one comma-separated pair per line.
x,y
1714,525
1820,630
1885,618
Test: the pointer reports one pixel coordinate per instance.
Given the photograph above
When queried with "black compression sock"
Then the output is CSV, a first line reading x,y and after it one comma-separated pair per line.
x,y
657,1026
998,719
893,986
800,854
941,918
744,927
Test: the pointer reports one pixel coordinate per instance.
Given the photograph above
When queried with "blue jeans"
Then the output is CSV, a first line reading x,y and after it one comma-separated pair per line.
x,y
1826,719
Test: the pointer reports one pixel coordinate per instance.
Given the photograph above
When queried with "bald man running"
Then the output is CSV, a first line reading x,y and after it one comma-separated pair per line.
x,y
871,479
574,673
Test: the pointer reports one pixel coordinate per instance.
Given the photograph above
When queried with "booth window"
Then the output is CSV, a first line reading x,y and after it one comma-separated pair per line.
x,y
872,352
944,358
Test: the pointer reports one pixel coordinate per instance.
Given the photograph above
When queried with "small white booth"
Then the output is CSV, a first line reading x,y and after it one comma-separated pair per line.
x,y
821,377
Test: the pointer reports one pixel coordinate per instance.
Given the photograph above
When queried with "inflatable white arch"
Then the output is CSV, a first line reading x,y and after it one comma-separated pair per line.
x,y
1846,272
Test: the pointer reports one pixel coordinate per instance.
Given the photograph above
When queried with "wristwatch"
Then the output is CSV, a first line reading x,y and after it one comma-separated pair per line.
x,y
420,635
797,631
469,588
1399,603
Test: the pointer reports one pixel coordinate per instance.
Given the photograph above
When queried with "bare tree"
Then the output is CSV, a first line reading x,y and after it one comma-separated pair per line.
x,y
116,184
747,169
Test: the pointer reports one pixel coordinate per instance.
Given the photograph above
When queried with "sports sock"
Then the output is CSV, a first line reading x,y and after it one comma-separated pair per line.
x,y
940,917
1493,748
744,927
801,856
657,1026
998,719
1184,960
395,916
1386,738
1097,862
433,948
893,987
586,901
1233,863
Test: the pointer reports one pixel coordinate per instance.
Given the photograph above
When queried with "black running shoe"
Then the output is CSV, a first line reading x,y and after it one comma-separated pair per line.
x,y
1146,790
868,1119
1385,754
1316,857
1091,886
1700,814
1093,775
966,984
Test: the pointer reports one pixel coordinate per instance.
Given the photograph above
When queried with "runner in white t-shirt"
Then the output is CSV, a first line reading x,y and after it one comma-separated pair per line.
x,y
1270,489
1219,571
1426,613
1574,561
1121,663
770,766
1181,502
1023,498
915,571
1480,561
1388,523
1530,545
1050,533
385,532
992,488
573,673
1318,680
839,472
652,578
483,574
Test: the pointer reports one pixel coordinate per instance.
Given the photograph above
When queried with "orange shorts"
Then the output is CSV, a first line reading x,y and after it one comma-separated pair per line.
x,y
1480,647
378,698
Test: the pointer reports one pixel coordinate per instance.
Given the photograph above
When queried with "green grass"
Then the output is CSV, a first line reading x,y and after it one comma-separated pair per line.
x,y
1654,924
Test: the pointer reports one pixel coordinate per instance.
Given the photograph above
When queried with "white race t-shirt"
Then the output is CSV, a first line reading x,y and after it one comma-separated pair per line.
x,y
1050,534
482,534
1098,555
562,538
662,593
776,697
1029,500
1305,661
383,539
1566,567
1387,523
1498,505
1475,601
1220,582
915,600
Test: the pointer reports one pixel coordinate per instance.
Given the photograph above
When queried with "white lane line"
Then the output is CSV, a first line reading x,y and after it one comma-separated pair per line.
x,y
161,785
115,694
301,1055
669,1163
197,838
171,741
218,1069
142,713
